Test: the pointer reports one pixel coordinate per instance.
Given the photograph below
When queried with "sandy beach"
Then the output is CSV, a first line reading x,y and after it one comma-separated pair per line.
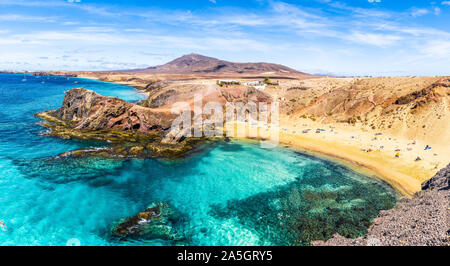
x,y
369,152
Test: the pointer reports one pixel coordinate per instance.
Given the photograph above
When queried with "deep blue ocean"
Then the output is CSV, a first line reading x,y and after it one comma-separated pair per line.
x,y
226,193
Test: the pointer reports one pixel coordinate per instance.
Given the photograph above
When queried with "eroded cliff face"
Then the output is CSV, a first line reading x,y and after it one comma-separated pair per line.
x,y
363,97
409,107
175,92
86,109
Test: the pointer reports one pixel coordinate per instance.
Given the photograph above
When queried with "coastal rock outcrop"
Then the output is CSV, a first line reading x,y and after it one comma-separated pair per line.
x,y
421,221
132,130
86,109
158,221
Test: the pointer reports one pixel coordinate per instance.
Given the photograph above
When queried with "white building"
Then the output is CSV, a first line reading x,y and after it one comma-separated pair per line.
x,y
256,84
253,83
260,87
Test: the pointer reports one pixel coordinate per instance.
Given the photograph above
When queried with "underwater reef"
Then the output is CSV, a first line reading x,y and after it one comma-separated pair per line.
x,y
315,207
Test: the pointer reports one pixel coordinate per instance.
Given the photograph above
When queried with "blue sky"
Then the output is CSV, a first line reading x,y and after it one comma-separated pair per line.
x,y
354,37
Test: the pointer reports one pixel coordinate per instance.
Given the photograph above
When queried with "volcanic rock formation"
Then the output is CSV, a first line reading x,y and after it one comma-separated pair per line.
x,y
86,109
195,64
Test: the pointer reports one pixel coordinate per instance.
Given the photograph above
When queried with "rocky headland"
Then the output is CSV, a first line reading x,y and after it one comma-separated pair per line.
x,y
133,130
130,129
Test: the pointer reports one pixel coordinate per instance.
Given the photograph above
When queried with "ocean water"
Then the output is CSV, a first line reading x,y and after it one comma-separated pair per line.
x,y
226,193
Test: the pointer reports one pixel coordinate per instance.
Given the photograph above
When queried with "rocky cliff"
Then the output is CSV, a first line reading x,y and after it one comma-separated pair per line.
x,y
131,130
86,109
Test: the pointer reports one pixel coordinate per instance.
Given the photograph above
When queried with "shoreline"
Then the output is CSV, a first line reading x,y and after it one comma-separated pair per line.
x,y
372,150
403,184
404,174
352,165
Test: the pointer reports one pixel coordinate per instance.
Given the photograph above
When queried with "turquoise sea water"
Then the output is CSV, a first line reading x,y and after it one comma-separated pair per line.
x,y
227,193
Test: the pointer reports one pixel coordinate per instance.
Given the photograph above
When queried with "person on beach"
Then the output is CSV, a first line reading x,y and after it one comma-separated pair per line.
x,y
3,226
397,155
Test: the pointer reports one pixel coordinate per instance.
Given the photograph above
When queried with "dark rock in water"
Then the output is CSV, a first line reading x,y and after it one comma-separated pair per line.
x,y
158,221
440,181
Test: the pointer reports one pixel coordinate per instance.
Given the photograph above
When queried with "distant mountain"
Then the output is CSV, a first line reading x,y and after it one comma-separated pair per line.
x,y
196,64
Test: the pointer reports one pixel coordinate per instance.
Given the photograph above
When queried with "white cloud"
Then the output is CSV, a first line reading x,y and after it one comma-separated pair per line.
x,y
437,11
93,36
381,40
417,12
93,9
291,10
69,23
362,12
446,3
22,18
436,48
96,29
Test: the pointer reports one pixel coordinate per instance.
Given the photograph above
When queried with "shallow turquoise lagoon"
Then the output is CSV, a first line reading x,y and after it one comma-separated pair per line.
x,y
226,193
